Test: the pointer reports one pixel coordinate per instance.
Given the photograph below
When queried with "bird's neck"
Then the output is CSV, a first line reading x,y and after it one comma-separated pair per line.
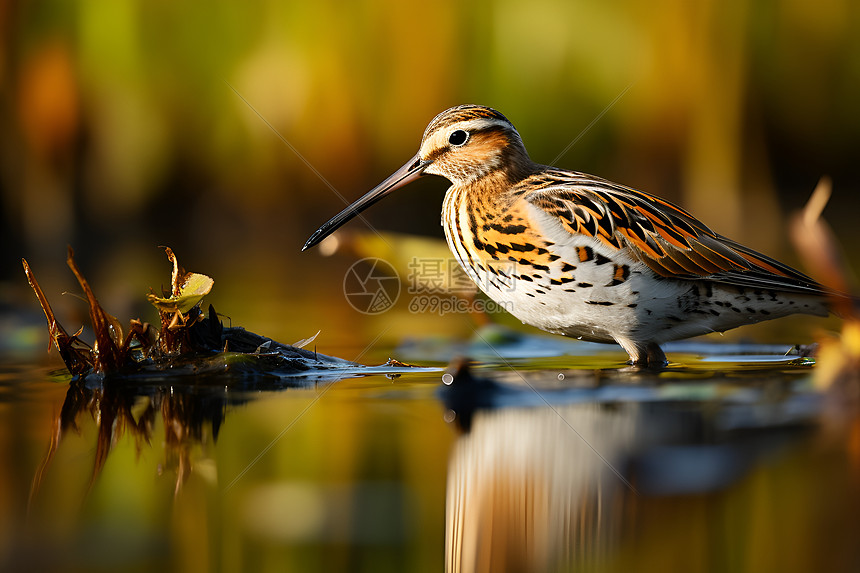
x,y
497,183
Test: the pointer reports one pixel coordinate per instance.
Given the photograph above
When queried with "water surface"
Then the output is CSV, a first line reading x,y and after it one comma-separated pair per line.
x,y
538,457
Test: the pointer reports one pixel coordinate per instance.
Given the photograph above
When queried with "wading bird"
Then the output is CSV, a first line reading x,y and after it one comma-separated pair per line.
x,y
580,256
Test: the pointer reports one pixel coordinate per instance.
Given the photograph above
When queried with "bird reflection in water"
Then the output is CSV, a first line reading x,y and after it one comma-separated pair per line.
x,y
532,489
547,476
527,493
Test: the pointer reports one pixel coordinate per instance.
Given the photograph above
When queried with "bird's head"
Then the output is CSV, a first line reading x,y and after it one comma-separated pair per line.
x,y
463,144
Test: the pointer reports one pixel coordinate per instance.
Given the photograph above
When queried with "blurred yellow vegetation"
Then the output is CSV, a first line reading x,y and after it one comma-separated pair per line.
x,y
838,361
132,93
120,121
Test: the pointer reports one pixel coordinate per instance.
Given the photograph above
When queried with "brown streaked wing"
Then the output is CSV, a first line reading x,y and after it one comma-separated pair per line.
x,y
665,237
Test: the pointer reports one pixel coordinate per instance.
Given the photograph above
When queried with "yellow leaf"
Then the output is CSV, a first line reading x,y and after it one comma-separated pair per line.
x,y
191,291
187,289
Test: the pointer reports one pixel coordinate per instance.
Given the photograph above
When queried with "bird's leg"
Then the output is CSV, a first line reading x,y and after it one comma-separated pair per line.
x,y
638,353
656,356
643,354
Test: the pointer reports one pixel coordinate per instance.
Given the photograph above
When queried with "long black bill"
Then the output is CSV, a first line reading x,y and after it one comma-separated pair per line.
x,y
411,171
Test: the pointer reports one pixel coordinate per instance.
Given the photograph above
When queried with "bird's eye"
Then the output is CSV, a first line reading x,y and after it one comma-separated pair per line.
x,y
458,137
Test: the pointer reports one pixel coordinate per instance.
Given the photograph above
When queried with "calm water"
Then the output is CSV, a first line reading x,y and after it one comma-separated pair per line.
x,y
539,457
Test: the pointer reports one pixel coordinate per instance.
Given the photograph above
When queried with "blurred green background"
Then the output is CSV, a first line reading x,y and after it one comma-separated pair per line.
x,y
120,130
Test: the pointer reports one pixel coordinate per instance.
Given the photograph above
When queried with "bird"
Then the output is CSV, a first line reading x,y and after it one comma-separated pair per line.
x,y
577,255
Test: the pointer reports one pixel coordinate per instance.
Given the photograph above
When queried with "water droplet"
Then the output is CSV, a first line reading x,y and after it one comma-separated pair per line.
x,y
447,379
560,376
